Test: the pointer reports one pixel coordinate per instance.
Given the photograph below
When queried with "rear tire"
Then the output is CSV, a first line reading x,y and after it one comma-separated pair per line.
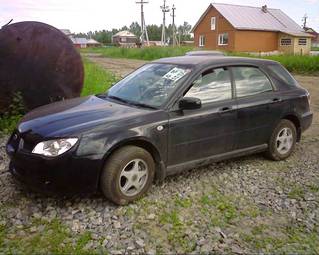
x,y
282,141
127,175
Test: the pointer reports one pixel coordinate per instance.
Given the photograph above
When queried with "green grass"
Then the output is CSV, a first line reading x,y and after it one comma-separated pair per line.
x,y
148,53
96,79
294,63
54,238
315,48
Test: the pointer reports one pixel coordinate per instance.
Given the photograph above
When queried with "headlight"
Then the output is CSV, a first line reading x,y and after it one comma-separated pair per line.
x,y
54,148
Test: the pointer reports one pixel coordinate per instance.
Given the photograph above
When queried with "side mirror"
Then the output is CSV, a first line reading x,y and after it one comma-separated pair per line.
x,y
190,103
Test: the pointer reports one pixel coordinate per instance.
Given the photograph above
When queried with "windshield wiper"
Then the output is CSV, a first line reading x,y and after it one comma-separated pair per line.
x,y
101,95
144,105
119,99
132,102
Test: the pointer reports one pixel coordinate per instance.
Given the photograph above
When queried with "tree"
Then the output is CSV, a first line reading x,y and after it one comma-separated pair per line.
x,y
135,28
184,31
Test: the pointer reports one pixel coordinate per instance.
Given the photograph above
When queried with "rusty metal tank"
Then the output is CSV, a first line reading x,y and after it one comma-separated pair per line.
x,y
40,62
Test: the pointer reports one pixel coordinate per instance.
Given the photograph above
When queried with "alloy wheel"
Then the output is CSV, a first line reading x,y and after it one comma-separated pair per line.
x,y
133,177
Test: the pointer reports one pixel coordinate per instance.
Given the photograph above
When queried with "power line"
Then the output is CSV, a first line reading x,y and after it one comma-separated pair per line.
x,y
144,34
165,9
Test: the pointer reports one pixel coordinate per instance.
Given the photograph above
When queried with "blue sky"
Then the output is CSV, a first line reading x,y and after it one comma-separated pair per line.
x,y
83,16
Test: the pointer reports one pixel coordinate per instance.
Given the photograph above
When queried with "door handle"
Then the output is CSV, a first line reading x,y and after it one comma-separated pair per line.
x,y
225,109
276,100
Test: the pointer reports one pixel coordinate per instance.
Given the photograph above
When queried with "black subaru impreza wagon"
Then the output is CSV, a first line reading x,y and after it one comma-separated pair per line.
x,y
168,116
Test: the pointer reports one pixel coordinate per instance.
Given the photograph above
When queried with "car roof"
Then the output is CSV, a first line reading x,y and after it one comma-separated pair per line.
x,y
205,60
205,53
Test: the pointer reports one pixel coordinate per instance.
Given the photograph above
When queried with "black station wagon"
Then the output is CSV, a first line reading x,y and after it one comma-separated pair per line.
x,y
168,116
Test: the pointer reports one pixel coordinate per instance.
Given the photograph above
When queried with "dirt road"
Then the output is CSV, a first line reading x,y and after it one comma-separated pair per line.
x,y
120,67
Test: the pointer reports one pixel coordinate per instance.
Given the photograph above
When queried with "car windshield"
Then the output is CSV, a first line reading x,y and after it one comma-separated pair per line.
x,y
149,86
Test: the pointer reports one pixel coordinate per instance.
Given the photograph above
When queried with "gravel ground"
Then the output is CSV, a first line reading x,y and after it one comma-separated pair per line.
x,y
245,205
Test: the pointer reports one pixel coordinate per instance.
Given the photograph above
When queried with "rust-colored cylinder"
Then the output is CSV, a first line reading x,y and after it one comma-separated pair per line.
x,y
40,62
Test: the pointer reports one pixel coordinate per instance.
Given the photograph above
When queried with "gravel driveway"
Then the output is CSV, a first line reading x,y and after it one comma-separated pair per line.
x,y
245,205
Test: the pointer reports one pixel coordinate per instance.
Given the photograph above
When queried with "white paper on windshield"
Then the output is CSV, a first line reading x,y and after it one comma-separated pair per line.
x,y
175,74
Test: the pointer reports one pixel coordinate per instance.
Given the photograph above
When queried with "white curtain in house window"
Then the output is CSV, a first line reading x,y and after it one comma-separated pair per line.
x,y
223,39
201,40
213,23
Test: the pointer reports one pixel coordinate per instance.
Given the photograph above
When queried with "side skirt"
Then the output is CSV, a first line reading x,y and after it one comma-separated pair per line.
x,y
175,169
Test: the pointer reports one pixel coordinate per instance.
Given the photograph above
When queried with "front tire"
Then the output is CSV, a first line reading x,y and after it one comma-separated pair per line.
x,y
128,174
283,140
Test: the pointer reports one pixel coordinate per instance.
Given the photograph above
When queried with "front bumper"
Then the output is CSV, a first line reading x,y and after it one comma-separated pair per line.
x,y
64,175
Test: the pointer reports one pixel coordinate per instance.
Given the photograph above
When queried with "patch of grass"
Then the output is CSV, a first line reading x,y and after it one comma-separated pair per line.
x,y
96,80
224,207
294,63
55,238
314,187
296,192
147,53
288,240
183,202
176,235
315,48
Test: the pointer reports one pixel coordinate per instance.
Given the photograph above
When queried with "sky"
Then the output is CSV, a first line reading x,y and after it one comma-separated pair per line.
x,y
92,15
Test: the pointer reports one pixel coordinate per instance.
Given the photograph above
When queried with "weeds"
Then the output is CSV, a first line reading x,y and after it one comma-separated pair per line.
x,y
9,120
97,80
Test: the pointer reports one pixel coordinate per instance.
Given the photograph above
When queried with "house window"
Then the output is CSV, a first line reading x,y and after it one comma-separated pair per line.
x,y
123,39
285,42
213,23
302,41
201,40
223,39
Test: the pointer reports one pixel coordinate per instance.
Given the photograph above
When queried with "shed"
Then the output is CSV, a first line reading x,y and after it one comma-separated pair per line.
x,y
79,42
125,39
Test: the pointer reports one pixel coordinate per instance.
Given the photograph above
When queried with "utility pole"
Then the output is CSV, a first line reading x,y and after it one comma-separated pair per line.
x,y
304,20
165,9
144,34
173,26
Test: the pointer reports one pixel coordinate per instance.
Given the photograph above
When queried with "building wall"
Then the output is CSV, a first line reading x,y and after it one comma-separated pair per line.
x,y
255,41
302,49
211,36
294,48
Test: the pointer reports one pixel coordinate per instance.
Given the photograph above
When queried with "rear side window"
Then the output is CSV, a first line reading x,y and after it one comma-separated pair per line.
x,y
283,74
250,81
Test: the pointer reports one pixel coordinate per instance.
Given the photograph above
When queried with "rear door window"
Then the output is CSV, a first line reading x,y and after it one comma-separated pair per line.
x,y
250,81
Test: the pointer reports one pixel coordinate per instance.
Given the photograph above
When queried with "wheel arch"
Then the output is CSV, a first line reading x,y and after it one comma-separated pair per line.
x,y
295,120
160,171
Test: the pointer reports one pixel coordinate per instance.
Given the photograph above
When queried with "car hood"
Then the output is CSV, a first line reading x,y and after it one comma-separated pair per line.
x,y
72,116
